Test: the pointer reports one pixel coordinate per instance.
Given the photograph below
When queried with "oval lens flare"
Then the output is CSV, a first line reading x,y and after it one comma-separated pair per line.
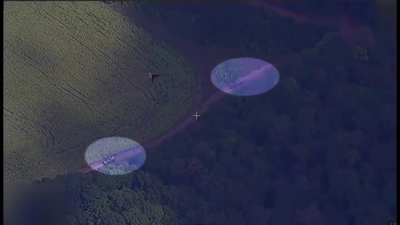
x,y
115,155
244,76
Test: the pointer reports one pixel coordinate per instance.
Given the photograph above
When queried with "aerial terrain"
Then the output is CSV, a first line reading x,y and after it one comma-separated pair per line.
x,y
318,148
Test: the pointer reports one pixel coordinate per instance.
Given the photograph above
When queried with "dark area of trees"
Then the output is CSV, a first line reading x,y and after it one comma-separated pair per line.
x,y
317,149
362,10
231,25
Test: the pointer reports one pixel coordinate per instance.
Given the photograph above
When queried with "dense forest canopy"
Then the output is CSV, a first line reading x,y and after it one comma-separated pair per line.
x,y
319,148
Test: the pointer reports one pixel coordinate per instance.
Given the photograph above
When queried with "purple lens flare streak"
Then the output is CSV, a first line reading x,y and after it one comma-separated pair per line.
x,y
353,32
230,88
114,156
121,156
253,76
347,28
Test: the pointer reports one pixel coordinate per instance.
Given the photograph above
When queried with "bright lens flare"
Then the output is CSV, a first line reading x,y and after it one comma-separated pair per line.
x,y
115,155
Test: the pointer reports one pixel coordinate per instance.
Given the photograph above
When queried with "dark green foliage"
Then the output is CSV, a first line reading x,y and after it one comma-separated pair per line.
x,y
317,149
96,200
231,25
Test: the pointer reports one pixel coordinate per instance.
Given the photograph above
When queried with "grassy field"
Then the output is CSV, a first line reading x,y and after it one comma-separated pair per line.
x,y
75,72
